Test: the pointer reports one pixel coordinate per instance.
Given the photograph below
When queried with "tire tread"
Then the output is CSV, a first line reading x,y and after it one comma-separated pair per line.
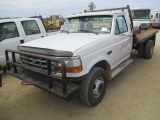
x,y
148,46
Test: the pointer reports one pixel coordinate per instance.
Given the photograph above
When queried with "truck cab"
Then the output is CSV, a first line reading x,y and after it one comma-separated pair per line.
x,y
104,32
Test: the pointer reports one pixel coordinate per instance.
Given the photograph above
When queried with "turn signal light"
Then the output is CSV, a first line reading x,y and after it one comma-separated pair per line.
x,y
71,69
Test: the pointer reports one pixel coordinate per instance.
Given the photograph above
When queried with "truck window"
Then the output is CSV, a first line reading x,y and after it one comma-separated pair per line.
x,y
141,13
122,25
98,24
8,30
30,27
117,28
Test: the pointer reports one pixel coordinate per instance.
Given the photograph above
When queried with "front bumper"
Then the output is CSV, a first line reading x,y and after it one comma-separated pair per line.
x,y
59,86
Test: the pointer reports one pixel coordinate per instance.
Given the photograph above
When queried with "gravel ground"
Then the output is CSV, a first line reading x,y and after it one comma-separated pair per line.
x,y
132,95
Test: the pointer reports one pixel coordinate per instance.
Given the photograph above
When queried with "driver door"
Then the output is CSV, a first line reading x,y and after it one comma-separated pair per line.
x,y
123,38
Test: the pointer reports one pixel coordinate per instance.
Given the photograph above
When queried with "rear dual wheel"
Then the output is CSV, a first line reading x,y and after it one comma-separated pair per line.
x,y
141,49
145,50
149,48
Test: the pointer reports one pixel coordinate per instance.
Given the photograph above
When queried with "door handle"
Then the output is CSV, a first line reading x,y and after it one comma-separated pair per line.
x,y
42,36
108,53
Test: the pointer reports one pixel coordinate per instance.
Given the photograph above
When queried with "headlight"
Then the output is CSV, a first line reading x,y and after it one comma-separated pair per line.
x,y
73,65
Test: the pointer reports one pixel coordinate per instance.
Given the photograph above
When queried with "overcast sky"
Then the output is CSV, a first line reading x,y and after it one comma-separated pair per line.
x,y
27,8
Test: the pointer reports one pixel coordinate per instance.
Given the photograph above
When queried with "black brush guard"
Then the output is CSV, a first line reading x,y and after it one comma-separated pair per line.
x,y
59,86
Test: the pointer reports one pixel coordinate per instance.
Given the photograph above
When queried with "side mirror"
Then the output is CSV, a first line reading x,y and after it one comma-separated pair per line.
x,y
66,21
61,27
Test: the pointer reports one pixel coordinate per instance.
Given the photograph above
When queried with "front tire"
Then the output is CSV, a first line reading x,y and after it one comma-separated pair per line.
x,y
93,87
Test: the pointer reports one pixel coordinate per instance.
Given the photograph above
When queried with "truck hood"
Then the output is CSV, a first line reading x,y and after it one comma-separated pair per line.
x,y
62,44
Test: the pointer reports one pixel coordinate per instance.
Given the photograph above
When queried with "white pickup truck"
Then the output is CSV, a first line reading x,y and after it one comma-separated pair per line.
x,y
13,32
90,49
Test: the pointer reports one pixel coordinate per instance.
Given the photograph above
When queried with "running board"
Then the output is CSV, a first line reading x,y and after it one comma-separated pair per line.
x,y
119,68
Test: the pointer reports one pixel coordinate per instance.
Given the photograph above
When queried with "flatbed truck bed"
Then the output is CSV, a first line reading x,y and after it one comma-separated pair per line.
x,y
146,34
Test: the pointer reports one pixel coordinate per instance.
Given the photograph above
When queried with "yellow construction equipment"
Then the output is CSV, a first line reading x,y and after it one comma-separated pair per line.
x,y
55,22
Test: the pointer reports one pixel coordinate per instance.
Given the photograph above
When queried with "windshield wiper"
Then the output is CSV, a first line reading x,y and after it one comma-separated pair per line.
x,y
65,31
88,31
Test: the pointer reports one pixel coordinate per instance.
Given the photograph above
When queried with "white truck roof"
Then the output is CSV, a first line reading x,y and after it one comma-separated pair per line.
x,y
138,8
16,19
155,11
95,13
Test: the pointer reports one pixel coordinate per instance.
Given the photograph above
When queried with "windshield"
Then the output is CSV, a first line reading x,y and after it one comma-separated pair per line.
x,y
95,24
141,14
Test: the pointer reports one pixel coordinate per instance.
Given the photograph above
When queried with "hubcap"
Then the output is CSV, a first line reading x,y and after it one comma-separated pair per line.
x,y
98,87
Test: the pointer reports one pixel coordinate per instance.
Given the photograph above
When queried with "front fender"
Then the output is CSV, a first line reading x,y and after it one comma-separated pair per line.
x,y
88,65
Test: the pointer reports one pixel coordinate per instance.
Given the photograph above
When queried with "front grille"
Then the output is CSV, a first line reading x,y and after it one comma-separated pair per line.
x,y
37,63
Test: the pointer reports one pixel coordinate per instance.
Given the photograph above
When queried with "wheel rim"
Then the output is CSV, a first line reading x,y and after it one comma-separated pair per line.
x,y
98,87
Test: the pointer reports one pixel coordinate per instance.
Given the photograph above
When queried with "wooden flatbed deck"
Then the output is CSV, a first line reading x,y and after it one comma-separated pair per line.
x,y
146,34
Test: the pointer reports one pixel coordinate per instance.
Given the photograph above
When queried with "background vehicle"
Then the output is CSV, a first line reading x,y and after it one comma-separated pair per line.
x,y
90,49
142,15
13,32
155,18
55,22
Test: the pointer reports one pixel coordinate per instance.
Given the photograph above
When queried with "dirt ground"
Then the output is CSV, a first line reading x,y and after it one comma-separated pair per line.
x,y
132,95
